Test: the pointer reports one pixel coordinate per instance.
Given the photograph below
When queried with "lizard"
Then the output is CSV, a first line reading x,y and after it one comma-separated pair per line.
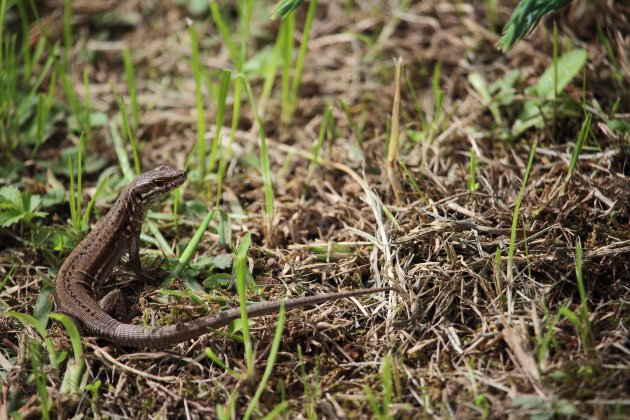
x,y
92,262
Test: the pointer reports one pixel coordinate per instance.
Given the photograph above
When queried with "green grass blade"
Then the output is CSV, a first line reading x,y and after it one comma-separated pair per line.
x,y
3,11
40,379
201,121
87,105
284,7
264,156
586,125
121,153
129,133
192,246
67,32
517,207
388,387
584,311
299,64
271,360
224,32
270,76
28,320
217,361
472,185
323,128
276,411
72,378
241,270
131,87
286,32
223,92
90,205
412,180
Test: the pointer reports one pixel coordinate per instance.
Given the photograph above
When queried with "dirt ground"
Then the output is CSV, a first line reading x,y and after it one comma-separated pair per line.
x,y
471,334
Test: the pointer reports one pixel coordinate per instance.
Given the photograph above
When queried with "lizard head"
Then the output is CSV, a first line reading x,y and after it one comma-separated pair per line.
x,y
154,184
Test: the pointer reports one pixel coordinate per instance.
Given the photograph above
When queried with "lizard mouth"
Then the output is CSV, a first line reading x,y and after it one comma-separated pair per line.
x,y
179,180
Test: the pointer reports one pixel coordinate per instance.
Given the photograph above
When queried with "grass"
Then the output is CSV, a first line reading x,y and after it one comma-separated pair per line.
x,y
299,62
264,163
131,88
201,110
517,208
317,164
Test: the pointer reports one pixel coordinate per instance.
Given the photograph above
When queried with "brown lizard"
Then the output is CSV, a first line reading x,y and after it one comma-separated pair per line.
x,y
93,260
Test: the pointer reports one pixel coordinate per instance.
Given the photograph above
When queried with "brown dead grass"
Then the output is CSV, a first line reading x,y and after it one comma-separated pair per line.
x,y
464,328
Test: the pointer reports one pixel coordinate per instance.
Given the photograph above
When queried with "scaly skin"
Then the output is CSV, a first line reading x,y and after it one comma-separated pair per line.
x,y
94,259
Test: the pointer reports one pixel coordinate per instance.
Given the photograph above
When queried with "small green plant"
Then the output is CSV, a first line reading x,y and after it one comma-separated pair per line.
x,y
17,206
74,370
29,321
544,408
24,107
618,74
92,389
550,84
548,339
480,401
40,377
228,411
382,410
581,319
311,388
290,86
517,207
478,82
44,107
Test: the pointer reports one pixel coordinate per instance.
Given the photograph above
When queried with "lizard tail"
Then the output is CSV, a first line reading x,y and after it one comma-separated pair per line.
x,y
163,336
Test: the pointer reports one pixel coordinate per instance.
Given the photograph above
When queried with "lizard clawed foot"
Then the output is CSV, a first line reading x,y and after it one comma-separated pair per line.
x,y
154,272
151,274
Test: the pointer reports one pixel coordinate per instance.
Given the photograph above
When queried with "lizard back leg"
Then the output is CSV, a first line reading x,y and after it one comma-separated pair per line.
x,y
115,305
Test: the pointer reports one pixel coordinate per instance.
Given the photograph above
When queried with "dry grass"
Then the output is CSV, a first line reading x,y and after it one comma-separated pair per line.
x,y
468,335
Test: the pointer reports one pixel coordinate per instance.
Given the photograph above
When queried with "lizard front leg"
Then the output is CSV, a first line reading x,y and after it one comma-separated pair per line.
x,y
150,274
